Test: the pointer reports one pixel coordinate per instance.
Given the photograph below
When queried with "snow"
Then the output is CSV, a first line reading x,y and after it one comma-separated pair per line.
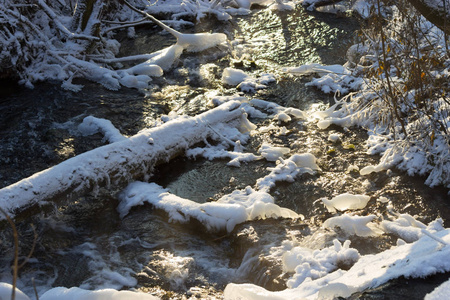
x,y
272,153
288,170
6,289
224,214
96,166
313,264
334,138
321,70
313,273
354,225
62,293
439,293
92,125
245,82
345,201
418,259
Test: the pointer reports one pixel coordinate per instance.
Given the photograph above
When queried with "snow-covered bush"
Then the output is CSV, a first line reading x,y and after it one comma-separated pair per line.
x,y
57,40
399,77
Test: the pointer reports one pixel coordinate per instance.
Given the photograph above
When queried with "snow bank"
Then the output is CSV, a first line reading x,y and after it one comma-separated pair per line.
x,y
117,163
419,259
224,214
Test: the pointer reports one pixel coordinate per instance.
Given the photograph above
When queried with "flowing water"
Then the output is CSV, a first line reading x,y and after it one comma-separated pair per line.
x,y
83,242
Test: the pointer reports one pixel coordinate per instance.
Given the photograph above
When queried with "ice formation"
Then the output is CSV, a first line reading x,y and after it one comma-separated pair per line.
x,y
345,201
410,229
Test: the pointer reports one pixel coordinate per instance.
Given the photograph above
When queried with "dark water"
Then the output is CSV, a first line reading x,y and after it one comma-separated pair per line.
x,y
83,242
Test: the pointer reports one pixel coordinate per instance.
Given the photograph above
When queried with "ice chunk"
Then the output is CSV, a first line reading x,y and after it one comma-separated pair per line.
x,y
345,201
410,229
145,69
283,117
244,81
277,109
370,169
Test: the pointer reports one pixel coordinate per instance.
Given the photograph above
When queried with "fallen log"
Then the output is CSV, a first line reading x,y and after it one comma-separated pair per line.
x,y
119,163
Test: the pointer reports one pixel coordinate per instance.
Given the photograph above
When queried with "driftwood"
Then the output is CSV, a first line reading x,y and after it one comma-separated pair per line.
x,y
119,163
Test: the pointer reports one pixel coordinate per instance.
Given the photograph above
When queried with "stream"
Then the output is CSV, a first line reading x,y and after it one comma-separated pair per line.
x,y
83,242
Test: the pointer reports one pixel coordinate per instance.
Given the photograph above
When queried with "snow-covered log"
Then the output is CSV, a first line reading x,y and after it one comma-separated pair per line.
x,y
118,163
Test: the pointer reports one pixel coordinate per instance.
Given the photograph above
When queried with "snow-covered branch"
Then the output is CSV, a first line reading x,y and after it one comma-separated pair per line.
x,y
120,162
